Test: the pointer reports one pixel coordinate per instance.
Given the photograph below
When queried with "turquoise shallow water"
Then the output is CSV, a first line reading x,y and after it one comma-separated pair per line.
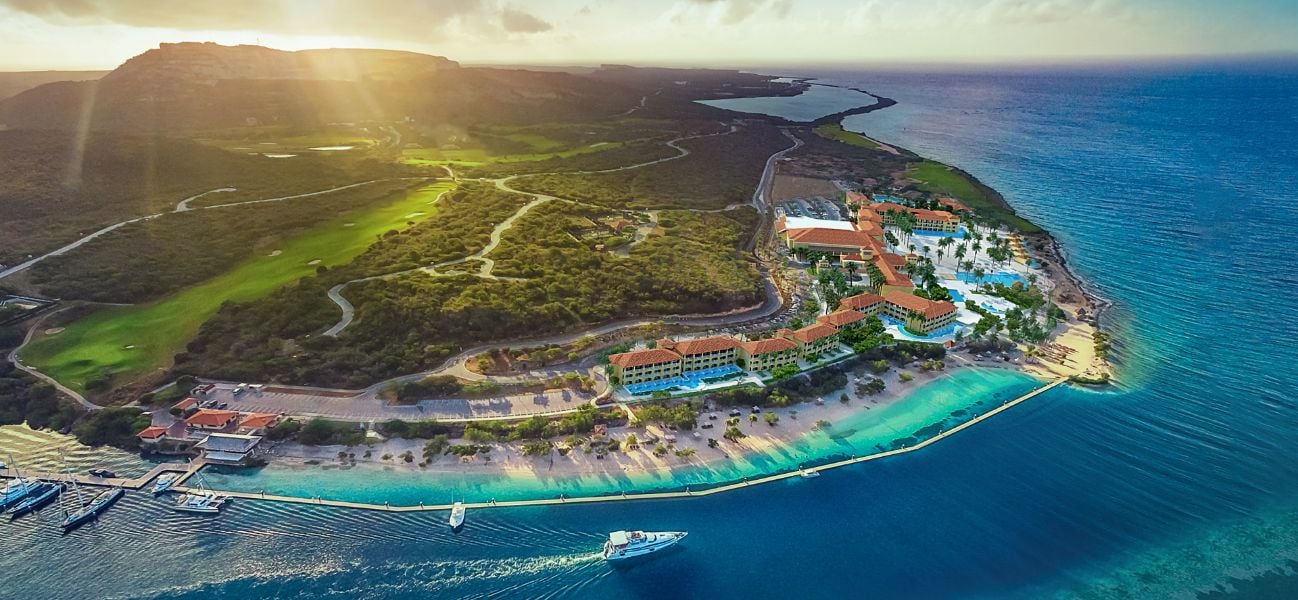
x,y
940,404
1172,189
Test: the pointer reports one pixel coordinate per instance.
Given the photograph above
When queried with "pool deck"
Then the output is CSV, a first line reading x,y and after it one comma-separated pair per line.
x,y
189,469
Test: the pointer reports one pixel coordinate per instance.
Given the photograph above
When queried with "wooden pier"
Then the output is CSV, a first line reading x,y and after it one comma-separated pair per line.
x,y
122,482
190,469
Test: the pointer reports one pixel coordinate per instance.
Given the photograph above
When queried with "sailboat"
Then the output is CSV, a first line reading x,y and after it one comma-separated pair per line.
x,y
43,493
15,490
201,501
86,511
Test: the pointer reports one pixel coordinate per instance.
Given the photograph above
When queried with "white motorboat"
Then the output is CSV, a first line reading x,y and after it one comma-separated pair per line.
x,y
164,482
457,516
202,502
622,545
808,473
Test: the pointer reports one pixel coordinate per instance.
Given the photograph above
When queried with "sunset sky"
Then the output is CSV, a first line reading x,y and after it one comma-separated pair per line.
x,y
100,34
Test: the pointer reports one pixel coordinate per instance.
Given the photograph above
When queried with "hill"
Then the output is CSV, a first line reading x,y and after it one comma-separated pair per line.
x,y
15,82
194,87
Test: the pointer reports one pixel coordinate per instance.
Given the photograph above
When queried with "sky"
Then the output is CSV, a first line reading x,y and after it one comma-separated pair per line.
x,y
100,34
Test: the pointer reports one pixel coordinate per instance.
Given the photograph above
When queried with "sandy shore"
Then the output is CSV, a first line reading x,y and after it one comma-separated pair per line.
x,y
795,422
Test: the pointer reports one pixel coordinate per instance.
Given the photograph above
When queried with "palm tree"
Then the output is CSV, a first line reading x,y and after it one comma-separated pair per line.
x,y
959,256
925,250
851,269
977,245
978,274
876,276
939,253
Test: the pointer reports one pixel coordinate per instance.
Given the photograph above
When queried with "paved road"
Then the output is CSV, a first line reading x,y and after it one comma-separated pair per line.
x,y
69,392
183,206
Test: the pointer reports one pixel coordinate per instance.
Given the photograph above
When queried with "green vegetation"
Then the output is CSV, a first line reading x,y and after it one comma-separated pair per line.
x,y
405,323
114,426
837,133
938,178
721,170
47,203
120,343
24,399
683,415
148,259
322,432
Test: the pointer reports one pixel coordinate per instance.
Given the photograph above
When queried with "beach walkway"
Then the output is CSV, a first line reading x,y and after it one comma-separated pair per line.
x,y
134,483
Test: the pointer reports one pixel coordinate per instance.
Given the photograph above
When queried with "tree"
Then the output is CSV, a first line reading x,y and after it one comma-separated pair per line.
x,y
772,419
630,443
852,268
536,448
734,434
784,372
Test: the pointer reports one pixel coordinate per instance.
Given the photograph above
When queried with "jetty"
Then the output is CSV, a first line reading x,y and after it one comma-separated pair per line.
x,y
191,468
132,483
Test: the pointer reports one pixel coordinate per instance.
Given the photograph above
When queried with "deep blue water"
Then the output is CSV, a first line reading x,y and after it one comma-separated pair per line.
x,y
1173,190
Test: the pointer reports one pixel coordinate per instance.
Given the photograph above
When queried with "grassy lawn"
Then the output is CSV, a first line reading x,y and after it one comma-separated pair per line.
x,y
837,133
938,178
131,341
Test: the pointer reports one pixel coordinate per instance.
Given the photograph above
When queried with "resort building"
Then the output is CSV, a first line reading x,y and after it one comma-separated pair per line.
x,y
833,241
764,355
703,353
640,366
229,448
954,205
212,420
813,339
256,423
842,319
933,220
866,304
920,315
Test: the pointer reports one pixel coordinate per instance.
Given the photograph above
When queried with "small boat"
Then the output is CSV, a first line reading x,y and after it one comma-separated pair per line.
x,y
457,516
164,482
622,545
202,502
809,473
43,494
102,473
91,509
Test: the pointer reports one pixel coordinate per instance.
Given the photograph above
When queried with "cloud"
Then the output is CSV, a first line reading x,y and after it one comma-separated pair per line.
x,y
517,21
356,18
727,12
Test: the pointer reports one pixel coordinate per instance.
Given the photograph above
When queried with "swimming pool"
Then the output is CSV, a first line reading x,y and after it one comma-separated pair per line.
x,y
1002,277
689,381
956,296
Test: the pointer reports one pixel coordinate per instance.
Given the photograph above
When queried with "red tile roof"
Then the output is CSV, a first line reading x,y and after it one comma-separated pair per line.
x,y
860,301
257,420
152,433
821,236
840,318
858,198
893,260
815,332
954,204
708,344
186,403
211,418
639,358
760,347
923,306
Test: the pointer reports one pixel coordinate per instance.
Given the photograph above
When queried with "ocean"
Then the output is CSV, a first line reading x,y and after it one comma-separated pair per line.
x,y
1172,190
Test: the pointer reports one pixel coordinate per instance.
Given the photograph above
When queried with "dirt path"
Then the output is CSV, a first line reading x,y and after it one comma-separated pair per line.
x,y
67,391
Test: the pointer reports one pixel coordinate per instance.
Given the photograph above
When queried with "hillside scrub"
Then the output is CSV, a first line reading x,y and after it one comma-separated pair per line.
x,y
144,260
720,170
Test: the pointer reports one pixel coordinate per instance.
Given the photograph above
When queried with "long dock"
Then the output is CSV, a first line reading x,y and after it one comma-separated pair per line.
x,y
133,483
190,469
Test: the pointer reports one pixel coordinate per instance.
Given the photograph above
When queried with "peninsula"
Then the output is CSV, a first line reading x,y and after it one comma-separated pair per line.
x,y
554,276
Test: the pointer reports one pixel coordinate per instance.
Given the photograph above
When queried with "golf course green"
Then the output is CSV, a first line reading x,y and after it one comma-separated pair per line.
x,y
126,342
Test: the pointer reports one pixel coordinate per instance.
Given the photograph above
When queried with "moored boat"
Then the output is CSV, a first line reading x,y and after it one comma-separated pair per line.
x,y
43,494
622,545
90,510
164,482
15,491
202,502
457,516
808,473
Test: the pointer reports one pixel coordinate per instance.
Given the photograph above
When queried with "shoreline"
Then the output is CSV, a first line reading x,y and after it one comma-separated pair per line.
x,y
509,467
